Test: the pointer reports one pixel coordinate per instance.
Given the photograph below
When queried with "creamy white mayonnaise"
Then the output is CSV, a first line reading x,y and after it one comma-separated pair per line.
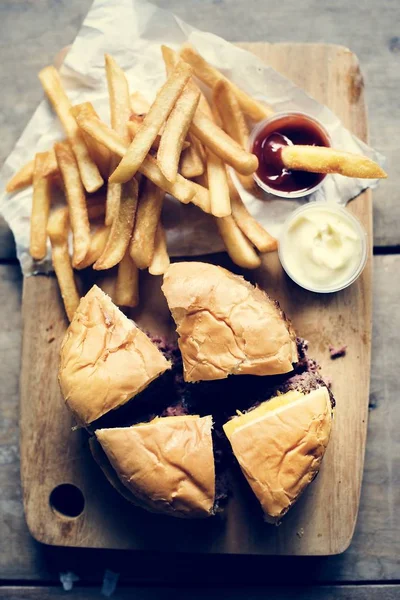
x,y
322,247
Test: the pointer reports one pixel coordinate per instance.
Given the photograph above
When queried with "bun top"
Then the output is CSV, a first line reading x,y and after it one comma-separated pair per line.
x,y
280,445
105,359
226,325
167,464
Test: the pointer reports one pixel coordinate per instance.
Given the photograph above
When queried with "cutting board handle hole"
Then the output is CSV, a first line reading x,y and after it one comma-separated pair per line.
x,y
67,500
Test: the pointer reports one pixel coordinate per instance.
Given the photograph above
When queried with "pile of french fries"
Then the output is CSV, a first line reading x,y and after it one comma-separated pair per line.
x,y
182,144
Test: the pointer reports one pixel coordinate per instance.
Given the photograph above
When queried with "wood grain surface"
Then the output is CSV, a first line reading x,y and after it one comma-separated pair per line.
x,y
372,556
323,521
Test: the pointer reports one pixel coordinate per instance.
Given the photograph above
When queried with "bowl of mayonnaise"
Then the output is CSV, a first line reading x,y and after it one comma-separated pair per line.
x,y
323,247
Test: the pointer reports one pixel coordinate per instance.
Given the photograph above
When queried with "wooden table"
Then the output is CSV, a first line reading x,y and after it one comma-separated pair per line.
x,y
30,34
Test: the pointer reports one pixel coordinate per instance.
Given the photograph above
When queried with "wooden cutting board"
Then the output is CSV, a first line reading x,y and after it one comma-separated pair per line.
x,y
323,521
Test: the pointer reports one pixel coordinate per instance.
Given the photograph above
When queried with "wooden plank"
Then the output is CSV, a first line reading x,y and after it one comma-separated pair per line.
x,y
347,592
373,554
312,528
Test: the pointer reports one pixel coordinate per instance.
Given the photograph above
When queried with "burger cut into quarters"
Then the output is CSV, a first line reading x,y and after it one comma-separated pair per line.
x,y
167,464
280,445
226,326
105,359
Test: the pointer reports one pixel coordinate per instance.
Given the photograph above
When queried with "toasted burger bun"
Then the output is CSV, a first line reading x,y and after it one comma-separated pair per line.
x,y
105,359
226,325
280,445
167,465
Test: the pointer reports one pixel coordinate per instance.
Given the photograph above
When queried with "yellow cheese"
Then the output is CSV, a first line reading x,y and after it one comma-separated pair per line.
x,y
261,411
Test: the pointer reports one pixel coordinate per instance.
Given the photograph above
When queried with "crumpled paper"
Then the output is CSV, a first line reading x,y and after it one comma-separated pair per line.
x,y
132,32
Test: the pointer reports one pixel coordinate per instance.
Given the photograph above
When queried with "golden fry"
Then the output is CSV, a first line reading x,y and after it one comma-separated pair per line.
x,y
158,113
147,219
22,178
318,159
222,145
160,263
98,242
218,186
182,189
201,197
233,121
57,230
210,76
121,228
262,240
120,111
134,125
41,200
76,200
99,153
175,131
171,59
192,159
51,82
139,104
58,225
103,134
126,291
237,245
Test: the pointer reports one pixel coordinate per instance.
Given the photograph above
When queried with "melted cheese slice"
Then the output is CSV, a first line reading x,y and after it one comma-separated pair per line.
x,y
261,411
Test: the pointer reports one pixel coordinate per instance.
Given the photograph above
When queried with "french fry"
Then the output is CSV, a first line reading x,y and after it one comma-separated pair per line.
x,y
192,161
237,245
175,131
201,197
258,236
216,117
158,113
58,225
210,76
50,168
134,125
126,291
233,121
121,228
139,104
98,242
51,82
22,178
218,186
57,230
76,200
214,138
103,134
147,219
171,59
318,159
181,189
40,208
120,111
160,263
99,153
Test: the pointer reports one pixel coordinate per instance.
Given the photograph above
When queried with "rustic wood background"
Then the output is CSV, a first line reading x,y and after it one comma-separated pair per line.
x,y
31,32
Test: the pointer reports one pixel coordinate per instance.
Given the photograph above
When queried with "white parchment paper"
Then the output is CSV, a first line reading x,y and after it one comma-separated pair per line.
x,y
132,31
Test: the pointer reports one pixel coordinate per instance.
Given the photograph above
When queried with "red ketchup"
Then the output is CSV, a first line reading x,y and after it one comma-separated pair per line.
x,y
297,129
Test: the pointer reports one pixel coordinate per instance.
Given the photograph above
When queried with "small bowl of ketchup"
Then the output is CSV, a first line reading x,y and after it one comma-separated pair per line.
x,y
267,140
